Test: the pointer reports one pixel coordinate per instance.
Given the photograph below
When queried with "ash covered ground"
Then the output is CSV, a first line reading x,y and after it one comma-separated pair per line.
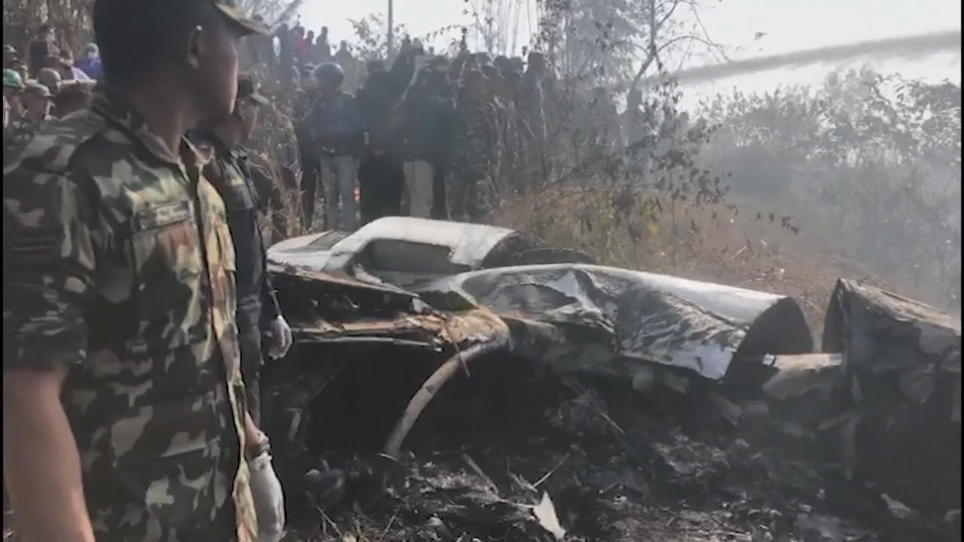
x,y
616,465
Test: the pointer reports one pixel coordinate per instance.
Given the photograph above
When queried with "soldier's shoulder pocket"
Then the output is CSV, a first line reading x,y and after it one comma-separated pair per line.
x,y
34,214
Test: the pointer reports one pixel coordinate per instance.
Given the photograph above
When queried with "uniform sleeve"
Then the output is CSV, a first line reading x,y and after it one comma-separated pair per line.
x,y
265,188
270,308
48,263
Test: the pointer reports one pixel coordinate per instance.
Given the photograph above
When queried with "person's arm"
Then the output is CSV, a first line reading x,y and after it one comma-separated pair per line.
x,y
40,461
48,269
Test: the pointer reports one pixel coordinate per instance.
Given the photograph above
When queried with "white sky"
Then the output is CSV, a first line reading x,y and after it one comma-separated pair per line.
x,y
790,25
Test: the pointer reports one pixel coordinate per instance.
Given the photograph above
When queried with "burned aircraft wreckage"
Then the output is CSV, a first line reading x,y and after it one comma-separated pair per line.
x,y
388,318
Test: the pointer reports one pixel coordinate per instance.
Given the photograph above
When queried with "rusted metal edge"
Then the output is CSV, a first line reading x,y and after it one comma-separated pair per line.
x,y
435,381
314,277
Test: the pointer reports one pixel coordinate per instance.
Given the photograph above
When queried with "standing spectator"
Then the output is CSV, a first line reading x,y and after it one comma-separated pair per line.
x,y
336,130
10,55
44,46
376,101
259,50
604,127
72,98
286,55
51,79
380,176
380,182
36,110
346,60
20,67
427,112
302,48
12,87
90,62
64,65
475,140
309,46
36,103
229,170
322,49
532,110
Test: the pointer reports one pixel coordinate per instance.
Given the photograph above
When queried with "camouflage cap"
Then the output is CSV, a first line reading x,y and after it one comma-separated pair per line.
x,y
231,10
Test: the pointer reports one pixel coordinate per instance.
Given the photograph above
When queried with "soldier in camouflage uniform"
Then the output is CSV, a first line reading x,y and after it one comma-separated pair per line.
x,y
12,109
36,108
511,126
474,142
531,108
229,171
123,403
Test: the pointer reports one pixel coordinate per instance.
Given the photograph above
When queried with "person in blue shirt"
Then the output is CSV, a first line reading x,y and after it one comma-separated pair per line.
x,y
90,62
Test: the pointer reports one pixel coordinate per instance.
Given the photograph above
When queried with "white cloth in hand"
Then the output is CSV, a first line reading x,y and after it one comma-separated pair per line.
x,y
268,499
278,338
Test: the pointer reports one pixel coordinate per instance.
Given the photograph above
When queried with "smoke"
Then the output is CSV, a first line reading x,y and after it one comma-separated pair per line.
x,y
904,47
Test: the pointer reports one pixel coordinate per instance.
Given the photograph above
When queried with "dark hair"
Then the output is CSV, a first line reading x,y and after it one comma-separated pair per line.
x,y
72,97
135,36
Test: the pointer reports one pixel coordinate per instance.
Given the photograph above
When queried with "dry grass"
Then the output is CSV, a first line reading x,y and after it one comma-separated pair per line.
x,y
710,242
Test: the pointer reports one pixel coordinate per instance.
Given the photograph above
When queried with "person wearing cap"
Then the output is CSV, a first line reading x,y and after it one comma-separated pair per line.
x,y
73,97
12,87
12,84
10,54
232,175
20,67
124,412
50,78
35,100
335,132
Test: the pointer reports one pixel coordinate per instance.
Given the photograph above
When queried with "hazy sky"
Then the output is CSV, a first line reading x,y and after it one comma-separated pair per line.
x,y
790,25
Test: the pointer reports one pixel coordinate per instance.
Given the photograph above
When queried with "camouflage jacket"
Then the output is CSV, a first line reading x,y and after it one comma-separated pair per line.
x,y
20,131
476,142
118,263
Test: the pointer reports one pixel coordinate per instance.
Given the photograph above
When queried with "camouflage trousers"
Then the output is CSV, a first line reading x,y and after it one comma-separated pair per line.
x,y
467,198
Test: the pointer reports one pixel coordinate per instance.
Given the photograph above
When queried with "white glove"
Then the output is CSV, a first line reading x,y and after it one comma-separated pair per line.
x,y
278,338
268,499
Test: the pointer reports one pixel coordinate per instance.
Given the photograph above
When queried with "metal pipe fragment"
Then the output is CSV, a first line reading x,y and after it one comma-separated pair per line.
x,y
430,388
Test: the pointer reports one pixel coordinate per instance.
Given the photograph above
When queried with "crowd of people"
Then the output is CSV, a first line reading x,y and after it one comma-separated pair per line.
x,y
426,136
45,83
423,134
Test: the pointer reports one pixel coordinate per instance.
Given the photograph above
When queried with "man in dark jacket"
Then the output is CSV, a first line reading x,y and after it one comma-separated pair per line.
x,y
335,133
380,177
427,112
228,170
41,48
